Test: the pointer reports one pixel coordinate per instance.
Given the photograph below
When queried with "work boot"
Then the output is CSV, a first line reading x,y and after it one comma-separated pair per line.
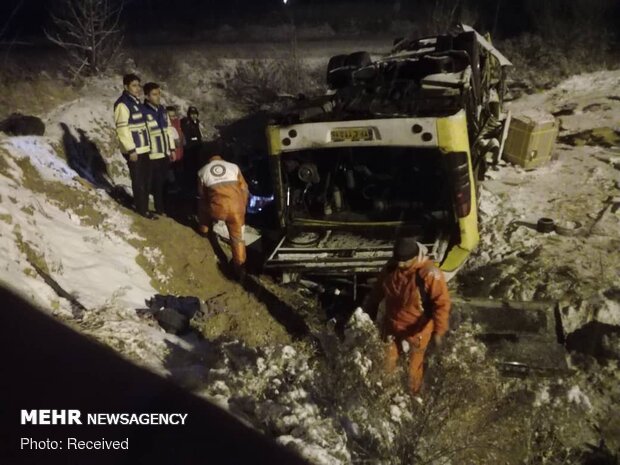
x,y
239,272
203,230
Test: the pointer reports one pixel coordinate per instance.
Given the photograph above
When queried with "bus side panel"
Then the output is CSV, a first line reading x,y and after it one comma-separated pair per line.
x,y
274,149
452,137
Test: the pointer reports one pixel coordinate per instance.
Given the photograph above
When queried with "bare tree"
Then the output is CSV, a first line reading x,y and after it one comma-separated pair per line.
x,y
444,13
5,27
7,22
89,30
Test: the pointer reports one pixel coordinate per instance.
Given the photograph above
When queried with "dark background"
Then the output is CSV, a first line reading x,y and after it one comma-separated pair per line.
x,y
189,17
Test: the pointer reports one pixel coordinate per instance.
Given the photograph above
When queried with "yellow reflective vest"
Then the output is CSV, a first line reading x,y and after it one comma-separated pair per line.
x,y
160,131
130,124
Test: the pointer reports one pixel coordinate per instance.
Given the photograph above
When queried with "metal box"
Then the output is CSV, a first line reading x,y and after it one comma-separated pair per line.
x,y
531,138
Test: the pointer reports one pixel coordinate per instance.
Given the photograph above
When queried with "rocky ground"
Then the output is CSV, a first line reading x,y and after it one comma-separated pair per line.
x,y
327,398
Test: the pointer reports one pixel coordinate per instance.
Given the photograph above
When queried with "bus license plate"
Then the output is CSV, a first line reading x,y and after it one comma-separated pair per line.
x,y
351,134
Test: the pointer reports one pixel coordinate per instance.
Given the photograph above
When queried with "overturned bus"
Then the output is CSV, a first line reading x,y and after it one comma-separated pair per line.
x,y
397,147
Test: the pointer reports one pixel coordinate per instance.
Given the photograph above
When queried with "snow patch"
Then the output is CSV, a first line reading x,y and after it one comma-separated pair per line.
x,y
575,395
93,263
42,156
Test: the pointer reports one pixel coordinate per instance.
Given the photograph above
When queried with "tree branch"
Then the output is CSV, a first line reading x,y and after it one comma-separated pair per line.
x,y
90,32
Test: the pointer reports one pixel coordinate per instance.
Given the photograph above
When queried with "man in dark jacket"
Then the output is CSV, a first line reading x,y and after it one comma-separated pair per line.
x,y
176,167
190,126
177,132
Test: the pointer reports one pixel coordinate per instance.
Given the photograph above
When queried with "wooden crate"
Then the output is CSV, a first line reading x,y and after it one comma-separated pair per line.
x,y
531,138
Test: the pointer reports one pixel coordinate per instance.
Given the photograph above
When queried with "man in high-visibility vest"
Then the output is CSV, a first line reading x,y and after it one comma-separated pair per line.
x,y
133,137
223,195
161,140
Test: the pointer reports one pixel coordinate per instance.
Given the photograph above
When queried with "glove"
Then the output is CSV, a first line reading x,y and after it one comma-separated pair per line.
x,y
437,340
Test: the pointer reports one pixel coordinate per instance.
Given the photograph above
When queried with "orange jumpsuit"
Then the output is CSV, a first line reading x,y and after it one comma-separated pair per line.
x,y
405,318
224,196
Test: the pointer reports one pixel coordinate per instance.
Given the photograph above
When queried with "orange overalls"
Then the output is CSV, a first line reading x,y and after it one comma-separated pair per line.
x,y
224,196
405,318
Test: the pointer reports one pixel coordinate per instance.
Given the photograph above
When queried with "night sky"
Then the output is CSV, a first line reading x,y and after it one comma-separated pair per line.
x,y
31,15
190,16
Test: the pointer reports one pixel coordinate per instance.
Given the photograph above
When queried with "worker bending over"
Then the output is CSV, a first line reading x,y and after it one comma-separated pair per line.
x,y
223,195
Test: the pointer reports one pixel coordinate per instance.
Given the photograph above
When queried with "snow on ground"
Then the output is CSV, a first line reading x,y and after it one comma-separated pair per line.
x,y
93,262
88,119
98,264
513,260
339,407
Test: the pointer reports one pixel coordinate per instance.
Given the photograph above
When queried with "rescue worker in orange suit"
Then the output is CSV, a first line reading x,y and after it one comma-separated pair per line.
x,y
223,195
417,306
